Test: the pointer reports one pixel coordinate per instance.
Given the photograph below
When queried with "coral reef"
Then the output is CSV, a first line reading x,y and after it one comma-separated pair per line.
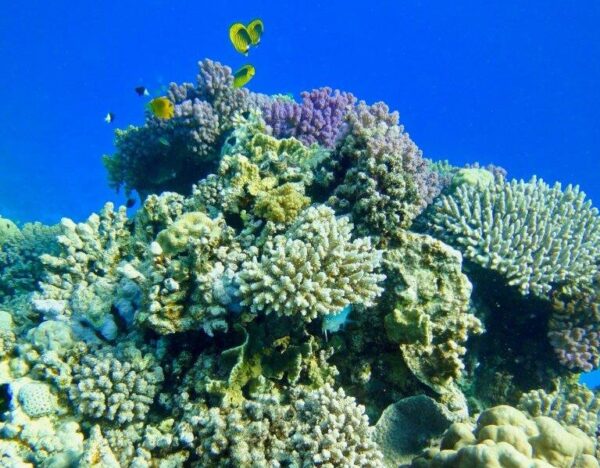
x,y
535,235
272,298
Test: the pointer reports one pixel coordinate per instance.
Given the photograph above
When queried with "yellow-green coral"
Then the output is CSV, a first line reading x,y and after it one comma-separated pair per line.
x,y
429,297
187,228
282,204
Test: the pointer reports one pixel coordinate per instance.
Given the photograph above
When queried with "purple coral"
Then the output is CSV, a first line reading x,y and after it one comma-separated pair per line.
x,y
171,155
574,329
319,119
383,180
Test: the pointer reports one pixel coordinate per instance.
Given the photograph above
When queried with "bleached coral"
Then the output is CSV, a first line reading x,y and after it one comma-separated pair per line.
x,y
535,235
314,269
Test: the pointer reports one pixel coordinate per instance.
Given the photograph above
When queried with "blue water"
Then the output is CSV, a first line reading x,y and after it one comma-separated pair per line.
x,y
505,82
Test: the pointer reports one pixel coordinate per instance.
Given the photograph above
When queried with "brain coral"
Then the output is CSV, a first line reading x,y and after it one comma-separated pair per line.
x,y
385,182
313,269
117,385
534,235
506,437
430,319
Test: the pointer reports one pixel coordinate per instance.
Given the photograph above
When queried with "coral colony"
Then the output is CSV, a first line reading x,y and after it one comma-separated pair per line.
x,y
300,288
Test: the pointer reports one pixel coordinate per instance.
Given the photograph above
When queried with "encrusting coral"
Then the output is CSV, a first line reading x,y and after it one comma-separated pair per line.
x,y
429,300
535,235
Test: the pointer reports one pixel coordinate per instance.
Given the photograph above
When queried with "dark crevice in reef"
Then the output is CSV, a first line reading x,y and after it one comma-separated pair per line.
x,y
514,353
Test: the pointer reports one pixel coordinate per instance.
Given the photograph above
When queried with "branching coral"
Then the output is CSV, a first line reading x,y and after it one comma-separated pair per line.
x,y
81,281
319,119
187,277
20,265
173,154
535,235
117,385
569,403
574,327
320,427
384,180
313,270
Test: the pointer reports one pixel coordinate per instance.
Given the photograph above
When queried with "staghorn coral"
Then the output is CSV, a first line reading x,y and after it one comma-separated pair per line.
x,y
535,235
430,319
81,281
171,155
569,403
504,436
319,119
384,180
574,327
115,384
314,269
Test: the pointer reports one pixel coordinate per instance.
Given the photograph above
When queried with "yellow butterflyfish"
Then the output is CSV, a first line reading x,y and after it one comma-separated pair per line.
x,y
255,29
162,108
243,75
240,38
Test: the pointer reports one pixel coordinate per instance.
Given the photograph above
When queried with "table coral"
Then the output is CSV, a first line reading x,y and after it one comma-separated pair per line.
x,y
504,436
535,235
313,269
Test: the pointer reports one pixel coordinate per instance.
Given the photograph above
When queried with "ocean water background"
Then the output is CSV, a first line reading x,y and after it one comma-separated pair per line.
x,y
513,83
